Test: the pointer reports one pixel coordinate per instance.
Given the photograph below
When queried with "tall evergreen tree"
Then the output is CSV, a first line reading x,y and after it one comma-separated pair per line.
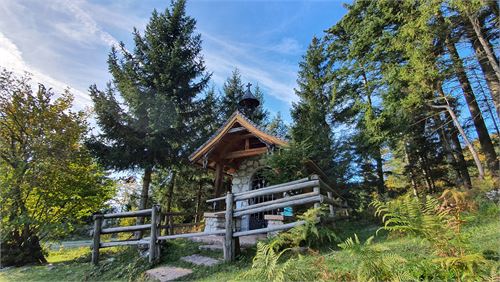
x,y
310,113
233,91
278,127
148,112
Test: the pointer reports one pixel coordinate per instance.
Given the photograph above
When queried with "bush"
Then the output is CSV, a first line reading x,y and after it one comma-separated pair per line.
x,y
438,221
269,263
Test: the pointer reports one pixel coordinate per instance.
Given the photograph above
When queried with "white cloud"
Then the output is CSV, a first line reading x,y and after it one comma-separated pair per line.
x,y
222,56
11,58
288,46
84,27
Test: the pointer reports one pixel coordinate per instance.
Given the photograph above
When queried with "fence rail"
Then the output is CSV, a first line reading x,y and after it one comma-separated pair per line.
x,y
311,190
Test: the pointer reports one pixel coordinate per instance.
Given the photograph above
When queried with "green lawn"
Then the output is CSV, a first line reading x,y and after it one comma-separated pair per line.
x,y
123,264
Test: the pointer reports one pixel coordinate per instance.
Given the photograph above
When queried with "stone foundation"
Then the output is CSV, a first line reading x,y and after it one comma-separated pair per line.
x,y
273,220
213,221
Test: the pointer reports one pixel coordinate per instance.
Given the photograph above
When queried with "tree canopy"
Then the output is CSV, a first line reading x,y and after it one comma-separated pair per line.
x,y
49,180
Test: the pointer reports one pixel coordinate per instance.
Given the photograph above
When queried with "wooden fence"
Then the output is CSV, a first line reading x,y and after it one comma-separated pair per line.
x,y
310,190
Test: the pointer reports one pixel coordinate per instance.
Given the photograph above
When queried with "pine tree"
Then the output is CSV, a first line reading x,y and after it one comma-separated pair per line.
x,y
148,112
310,113
278,127
233,91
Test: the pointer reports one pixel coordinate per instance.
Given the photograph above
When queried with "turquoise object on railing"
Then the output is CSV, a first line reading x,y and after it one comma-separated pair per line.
x,y
288,211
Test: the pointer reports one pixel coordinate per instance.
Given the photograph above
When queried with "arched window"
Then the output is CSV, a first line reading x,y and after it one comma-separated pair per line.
x,y
258,181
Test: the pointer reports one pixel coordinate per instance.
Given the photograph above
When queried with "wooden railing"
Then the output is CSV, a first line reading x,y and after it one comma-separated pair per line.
x,y
151,241
310,190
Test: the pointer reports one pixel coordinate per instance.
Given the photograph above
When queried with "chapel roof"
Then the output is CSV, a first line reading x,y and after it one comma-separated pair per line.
x,y
227,137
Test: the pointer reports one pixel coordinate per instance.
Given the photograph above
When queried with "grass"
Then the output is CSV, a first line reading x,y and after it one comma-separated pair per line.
x,y
331,263
65,266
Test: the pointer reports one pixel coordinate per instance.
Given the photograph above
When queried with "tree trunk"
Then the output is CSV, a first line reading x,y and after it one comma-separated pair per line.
x,y
455,145
429,180
410,170
170,196
35,249
378,154
170,192
476,25
489,73
380,171
198,201
459,156
452,161
475,111
143,202
466,140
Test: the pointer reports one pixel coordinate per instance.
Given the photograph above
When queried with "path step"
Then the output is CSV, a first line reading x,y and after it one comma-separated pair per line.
x,y
200,260
210,247
167,273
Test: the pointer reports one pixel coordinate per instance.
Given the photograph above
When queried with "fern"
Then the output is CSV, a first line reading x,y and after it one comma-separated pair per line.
x,y
375,263
311,234
438,221
466,267
266,264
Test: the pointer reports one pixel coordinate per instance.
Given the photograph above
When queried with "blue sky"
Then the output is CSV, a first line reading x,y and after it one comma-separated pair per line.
x,y
66,42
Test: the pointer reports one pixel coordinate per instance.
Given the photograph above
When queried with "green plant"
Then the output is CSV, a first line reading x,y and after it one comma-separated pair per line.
x,y
266,265
463,267
313,233
438,221
375,263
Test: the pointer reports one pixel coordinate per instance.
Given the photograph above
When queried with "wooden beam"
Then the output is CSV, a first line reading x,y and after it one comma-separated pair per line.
x,y
268,229
311,199
236,129
219,177
126,229
123,243
189,235
128,214
276,189
245,153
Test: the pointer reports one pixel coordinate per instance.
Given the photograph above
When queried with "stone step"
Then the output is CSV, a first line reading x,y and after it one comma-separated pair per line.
x,y
167,273
201,260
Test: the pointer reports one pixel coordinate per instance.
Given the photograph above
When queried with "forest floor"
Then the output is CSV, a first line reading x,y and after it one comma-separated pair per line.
x,y
123,264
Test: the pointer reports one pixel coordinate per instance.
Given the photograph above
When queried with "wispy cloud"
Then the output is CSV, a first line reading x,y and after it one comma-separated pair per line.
x,y
83,28
223,55
11,58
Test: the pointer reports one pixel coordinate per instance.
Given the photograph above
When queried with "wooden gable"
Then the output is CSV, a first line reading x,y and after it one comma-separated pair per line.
x,y
237,139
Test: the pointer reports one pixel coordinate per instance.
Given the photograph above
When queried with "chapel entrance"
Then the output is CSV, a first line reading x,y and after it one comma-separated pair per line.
x,y
258,181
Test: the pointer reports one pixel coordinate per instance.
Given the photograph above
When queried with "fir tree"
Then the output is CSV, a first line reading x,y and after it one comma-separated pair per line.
x,y
233,91
148,112
278,127
310,113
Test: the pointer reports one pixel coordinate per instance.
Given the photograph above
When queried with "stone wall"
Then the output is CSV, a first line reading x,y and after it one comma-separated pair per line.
x,y
242,181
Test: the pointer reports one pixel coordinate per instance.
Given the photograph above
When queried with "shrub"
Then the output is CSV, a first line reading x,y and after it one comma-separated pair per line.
x,y
266,263
373,262
439,221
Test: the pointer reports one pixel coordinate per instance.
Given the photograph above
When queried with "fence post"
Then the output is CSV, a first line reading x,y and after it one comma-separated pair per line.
x,y
154,234
332,209
228,239
316,189
97,238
